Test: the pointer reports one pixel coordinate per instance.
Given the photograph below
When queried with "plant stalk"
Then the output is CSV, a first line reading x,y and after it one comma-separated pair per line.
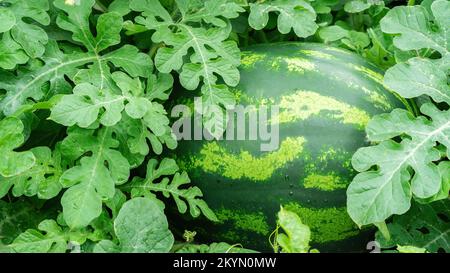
x,y
100,7
262,36
154,49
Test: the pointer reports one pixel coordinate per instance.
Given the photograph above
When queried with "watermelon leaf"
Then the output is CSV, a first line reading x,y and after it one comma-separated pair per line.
x,y
293,14
22,38
191,195
50,237
94,179
84,105
42,179
30,86
11,137
19,216
213,248
355,6
298,235
11,54
410,249
405,168
352,39
140,226
418,29
213,52
411,79
424,227
405,163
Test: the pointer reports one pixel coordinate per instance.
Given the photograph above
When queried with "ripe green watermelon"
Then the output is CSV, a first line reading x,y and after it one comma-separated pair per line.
x,y
326,97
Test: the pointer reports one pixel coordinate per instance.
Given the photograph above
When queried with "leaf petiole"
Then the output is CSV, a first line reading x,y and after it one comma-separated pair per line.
x,y
382,227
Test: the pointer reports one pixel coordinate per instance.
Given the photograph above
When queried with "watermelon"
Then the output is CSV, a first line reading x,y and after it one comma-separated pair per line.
x,y
325,97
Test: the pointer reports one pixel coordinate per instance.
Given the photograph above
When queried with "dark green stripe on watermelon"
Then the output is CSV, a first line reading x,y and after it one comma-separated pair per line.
x,y
326,97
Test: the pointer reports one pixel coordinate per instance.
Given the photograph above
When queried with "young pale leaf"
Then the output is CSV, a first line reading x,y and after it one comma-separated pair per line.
x,y
159,87
133,92
11,137
183,197
121,134
424,226
42,179
375,195
141,227
150,118
293,14
89,103
85,104
139,135
416,29
95,178
298,235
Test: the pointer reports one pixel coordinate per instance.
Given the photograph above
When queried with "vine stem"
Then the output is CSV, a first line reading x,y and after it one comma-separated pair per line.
x,y
411,2
99,6
154,49
382,227
262,35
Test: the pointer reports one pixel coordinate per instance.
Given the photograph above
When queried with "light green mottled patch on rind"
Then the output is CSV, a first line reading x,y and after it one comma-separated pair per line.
x,y
299,65
337,49
249,59
294,64
301,105
326,224
317,169
317,54
328,182
276,64
380,101
328,154
231,236
369,72
242,98
216,159
255,222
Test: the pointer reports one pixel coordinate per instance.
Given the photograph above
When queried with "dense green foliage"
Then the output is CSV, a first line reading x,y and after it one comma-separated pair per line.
x,y
85,90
